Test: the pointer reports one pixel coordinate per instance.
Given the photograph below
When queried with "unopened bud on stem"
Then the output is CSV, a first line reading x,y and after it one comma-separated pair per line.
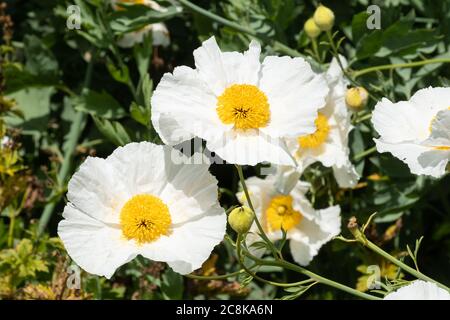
x,y
311,29
357,97
324,18
241,219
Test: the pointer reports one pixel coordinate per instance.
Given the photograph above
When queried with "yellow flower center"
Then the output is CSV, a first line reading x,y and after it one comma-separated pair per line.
x,y
280,214
145,218
243,105
315,139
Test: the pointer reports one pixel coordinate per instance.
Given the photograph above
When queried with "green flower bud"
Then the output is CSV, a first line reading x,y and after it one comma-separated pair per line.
x,y
311,29
241,219
324,18
356,97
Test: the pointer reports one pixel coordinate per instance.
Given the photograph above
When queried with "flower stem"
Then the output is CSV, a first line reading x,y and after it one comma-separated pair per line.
x,y
74,135
216,277
364,153
398,263
255,276
312,275
258,224
399,65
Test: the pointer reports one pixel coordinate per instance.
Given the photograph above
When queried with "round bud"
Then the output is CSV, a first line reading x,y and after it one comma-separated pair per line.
x,y
311,29
241,219
356,98
324,18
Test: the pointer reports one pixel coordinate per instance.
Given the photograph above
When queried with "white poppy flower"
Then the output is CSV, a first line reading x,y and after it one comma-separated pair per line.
x,y
329,143
242,108
160,34
279,201
416,131
419,290
138,201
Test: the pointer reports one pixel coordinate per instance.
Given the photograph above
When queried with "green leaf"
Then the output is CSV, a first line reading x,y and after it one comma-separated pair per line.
x,y
147,91
39,58
135,17
101,104
140,114
172,285
359,26
369,44
143,54
119,73
34,103
113,131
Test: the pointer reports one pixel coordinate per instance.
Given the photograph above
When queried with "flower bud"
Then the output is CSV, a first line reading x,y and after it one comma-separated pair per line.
x,y
241,219
311,28
324,18
356,97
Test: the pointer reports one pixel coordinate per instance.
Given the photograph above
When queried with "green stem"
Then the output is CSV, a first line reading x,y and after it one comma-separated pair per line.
x,y
255,276
217,277
336,52
364,153
401,265
258,224
316,50
74,135
11,228
399,65
276,44
312,275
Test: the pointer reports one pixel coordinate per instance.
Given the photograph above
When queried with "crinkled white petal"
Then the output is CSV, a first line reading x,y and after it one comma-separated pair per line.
x,y
313,232
295,93
97,190
250,147
184,107
316,228
401,121
420,159
187,188
190,244
440,130
346,176
409,120
419,290
94,245
220,70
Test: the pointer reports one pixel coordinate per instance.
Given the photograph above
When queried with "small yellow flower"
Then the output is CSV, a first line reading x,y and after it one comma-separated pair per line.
x,y
324,18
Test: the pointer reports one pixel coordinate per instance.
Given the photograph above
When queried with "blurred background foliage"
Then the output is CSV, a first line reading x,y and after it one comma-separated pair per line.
x,y
67,94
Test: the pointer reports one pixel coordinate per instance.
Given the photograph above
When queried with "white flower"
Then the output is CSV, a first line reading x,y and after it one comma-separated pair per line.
x,y
242,108
160,34
419,290
138,202
279,201
416,131
329,143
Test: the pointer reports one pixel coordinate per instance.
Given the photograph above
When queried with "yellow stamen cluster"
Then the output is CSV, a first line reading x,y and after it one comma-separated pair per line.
x,y
145,218
243,105
315,139
281,215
